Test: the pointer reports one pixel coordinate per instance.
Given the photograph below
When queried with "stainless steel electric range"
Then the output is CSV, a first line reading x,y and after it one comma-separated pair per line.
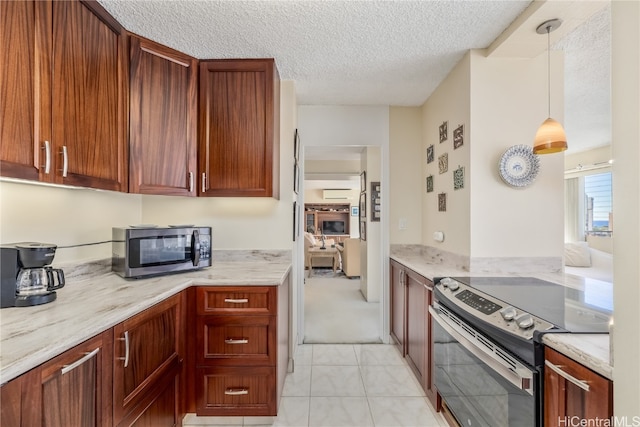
x,y
487,331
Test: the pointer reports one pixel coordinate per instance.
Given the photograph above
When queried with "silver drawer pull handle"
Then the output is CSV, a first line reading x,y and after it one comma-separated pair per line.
x,y
236,391
47,157
126,349
68,368
190,182
65,161
573,380
237,300
236,341
204,182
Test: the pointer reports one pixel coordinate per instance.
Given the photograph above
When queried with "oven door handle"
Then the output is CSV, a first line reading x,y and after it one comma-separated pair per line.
x,y
521,377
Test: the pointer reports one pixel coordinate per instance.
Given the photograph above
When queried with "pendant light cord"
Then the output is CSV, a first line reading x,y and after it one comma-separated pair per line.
x,y
549,70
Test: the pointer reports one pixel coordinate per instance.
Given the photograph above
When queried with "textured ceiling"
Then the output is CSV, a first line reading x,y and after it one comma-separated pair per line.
x,y
351,52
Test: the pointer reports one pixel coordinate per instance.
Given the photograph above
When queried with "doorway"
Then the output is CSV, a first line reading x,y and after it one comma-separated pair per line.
x,y
334,308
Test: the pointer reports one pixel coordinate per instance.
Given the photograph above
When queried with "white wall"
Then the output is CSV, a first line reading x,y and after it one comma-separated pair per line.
x,y
371,251
508,104
405,165
449,102
66,217
625,77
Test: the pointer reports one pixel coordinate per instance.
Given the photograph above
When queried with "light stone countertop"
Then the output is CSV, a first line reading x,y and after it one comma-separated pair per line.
x,y
591,350
89,305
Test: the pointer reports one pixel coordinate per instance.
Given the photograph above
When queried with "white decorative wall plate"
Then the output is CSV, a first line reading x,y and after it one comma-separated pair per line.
x,y
519,166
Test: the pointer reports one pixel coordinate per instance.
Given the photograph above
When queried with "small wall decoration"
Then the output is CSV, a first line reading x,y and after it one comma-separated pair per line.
x,y
430,184
363,181
458,178
363,230
296,146
295,220
355,211
442,202
375,202
458,137
443,163
296,178
443,131
430,154
363,205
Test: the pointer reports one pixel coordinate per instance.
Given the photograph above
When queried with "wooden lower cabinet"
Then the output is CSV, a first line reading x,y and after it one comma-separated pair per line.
x,y
411,296
240,350
72,389
574,392
148,351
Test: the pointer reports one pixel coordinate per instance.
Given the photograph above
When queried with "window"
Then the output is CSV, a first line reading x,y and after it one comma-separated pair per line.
x,y
598,218
588,206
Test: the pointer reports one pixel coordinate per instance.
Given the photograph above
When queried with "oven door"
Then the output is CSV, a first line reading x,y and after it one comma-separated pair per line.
x,y
479,382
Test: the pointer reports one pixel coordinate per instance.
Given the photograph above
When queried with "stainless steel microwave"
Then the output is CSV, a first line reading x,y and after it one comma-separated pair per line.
x,y
152,251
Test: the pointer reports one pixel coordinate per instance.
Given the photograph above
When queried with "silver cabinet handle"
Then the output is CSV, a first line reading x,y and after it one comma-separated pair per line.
x,y
68,368
126,349
204,181
65,161
47,157
237,300
236,391
190,182
573,380
236,341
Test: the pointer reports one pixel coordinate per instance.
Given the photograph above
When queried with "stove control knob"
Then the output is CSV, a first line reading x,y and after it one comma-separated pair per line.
x,y
508,313
454,286
524,321
446,282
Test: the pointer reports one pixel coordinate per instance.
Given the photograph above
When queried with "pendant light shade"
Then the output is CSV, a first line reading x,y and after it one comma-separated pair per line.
x,y
550,137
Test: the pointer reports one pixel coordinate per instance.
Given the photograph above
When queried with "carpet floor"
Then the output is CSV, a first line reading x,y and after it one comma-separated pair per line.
x,y
335,312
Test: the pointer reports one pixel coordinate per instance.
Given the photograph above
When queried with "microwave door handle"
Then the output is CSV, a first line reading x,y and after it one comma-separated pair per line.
x,y
521,378
195,248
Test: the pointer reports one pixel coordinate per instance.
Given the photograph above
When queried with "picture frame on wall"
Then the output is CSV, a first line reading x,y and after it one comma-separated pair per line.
x,y
296,178
296,147
363,205
363,181
363,230
295,221
355,211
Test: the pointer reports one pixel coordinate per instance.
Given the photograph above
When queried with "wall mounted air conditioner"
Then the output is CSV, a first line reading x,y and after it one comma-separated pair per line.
x,y
336,194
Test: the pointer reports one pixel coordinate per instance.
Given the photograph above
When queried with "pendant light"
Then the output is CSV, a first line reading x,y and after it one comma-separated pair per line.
x,y
550,137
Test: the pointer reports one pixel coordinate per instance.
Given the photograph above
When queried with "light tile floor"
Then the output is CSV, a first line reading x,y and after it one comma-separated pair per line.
x,y
344,385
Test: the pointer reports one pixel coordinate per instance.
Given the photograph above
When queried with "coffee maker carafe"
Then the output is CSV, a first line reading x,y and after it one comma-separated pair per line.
x,y
27,277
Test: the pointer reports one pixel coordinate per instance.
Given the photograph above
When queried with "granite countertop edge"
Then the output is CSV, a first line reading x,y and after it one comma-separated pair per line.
x,y
30,336
590,350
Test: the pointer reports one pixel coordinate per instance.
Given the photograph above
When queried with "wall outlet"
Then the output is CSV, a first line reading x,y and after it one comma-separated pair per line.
x,y
402,224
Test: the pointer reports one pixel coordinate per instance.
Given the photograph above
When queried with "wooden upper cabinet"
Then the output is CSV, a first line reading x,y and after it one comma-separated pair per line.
x,y
239,128
19,139
89,92
64,91
163,120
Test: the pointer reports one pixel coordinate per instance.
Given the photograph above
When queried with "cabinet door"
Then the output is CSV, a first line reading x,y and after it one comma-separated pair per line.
x,y
11,399
89,91
158,410
416,316
428,383
163,120
146,351
239,134
572,390
19,130
73,389
398,312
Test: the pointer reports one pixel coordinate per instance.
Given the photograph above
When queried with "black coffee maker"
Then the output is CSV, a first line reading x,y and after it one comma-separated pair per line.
x,y
27,279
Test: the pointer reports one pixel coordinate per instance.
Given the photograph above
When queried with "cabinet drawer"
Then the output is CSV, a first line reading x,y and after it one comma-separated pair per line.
x,y
236,391
236,340
240,300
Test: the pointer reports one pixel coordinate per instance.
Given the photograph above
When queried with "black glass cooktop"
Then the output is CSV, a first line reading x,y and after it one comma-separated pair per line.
x,y
587,311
